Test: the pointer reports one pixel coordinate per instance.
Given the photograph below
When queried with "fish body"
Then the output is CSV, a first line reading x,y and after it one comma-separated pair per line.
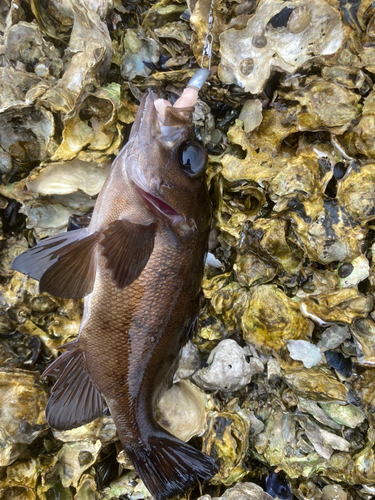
x,y
139,265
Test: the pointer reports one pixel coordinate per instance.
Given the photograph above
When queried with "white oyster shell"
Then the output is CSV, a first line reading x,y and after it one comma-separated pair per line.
x,y
72,460
47,220
68,177
182,410
227,368
284,51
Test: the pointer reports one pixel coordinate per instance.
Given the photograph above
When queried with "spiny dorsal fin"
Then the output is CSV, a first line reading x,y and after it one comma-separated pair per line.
x,y
74,399
127,248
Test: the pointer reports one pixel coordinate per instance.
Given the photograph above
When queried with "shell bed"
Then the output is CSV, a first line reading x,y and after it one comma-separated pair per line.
x,y
278,382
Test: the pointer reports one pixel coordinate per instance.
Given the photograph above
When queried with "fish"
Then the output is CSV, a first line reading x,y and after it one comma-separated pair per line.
x,y
139,266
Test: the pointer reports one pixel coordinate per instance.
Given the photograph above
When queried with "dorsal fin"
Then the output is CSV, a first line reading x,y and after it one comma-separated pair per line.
x,y
127,248
74,399
64,264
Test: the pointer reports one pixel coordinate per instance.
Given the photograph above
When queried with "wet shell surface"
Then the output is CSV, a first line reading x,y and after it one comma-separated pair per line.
x,y
299,19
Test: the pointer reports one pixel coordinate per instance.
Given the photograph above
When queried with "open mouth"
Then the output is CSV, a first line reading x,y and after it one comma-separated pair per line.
x,y
159,206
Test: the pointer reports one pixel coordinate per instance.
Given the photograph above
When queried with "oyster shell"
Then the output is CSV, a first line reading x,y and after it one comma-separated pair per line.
x,y
68,177
183,410
285,50
272,318
25,44
31,143
23,400
227,439
227,368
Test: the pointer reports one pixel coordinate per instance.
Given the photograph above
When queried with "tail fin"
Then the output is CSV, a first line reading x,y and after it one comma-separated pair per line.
x,y
168,466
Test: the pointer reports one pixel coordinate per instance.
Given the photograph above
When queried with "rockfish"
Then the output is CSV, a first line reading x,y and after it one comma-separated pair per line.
x,y
139,265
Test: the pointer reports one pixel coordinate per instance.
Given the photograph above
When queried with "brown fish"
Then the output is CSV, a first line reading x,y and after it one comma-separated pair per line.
x,y
139,265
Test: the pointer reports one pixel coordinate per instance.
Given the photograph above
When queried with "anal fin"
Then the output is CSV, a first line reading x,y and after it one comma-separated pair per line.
x,y
74,399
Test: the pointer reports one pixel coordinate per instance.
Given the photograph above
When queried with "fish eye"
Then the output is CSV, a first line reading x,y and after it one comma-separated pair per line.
x,y
193,158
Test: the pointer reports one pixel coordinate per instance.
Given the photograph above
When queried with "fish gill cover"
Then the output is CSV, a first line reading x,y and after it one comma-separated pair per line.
x,y
278,381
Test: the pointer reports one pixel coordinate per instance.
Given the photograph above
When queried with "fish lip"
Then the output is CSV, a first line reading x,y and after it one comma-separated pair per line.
x,y
145,116
159,206
148,124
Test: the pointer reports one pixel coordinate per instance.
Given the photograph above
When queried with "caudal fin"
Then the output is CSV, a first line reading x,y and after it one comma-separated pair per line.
x,y
168,466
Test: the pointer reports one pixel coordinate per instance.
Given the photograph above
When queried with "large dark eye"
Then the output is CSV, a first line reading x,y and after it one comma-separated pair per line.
x,y
193,158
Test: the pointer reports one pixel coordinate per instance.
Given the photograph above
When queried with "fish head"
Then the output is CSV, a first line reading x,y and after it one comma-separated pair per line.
x,y
166,163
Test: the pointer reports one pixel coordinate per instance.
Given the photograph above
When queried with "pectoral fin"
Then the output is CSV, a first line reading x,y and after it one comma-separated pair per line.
x,y
127,248
74,399
65,265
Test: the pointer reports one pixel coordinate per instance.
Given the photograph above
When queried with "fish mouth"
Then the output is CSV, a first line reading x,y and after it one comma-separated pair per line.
x,y
159,206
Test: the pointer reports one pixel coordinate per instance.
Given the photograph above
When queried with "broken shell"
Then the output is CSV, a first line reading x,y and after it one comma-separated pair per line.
x,y
242,491
343,305
304,351
30,143
299,19
333,492
102,428
251,115
93,126
24,42
363,331
138,48
189,363
312,408
324,442
357,192
316,383
71,461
